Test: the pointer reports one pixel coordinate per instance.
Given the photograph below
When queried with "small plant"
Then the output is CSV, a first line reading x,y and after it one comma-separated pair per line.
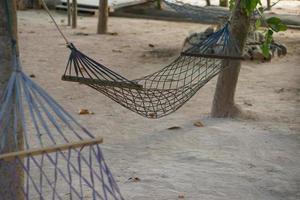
x,y
273,24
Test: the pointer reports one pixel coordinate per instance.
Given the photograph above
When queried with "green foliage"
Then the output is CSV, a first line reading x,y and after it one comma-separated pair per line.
x,y
265,47
250,5
276,24
273,24
231,4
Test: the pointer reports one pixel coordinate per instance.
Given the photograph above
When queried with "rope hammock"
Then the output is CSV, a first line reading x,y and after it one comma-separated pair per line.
x,y
60,159
162,92
165,91
44,152
198,12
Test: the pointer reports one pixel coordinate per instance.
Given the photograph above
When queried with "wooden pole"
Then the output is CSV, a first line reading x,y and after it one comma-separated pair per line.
x,y
51,149
69,12
208,2
268,4
11,176
103,17
74,14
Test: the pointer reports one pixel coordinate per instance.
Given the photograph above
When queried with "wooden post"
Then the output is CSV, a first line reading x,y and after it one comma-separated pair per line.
x,y
11,175
74,14
208,2
103,17
69,12
269,4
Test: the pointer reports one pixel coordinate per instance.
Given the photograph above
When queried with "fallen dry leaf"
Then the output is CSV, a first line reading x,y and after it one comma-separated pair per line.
x,y
85,112
152,115
117,50
134,179
181,196
113,33
174,128
198,124
81,34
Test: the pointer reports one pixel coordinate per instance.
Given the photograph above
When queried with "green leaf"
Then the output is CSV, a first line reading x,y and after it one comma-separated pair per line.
x,y
250,5
273,20
276,24
265,49
257,23
231,4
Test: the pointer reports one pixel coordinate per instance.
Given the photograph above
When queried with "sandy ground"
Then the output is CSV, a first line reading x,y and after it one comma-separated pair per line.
x,y
228,159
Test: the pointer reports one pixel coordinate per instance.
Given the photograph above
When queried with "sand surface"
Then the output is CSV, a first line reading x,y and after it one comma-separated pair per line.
x,y
232,159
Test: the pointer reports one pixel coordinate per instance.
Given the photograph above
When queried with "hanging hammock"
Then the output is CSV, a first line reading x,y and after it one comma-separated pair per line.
x,y
162,92
152,96
58,157
210,13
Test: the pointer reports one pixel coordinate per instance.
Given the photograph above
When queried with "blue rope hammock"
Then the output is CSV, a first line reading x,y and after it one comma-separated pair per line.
x,y
44,152
44,123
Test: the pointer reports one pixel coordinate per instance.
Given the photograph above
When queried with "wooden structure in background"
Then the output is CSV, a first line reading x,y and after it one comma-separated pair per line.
x,y
74,13
208,2
103,17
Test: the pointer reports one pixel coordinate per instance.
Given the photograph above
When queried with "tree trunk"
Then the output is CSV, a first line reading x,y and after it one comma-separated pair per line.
x,y
224,3
269,4
223,103
103,17
208,2
74,14
11,175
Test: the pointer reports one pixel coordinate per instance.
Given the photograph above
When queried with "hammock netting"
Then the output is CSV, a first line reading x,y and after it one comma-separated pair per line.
x,y
219,44
152,96
164,91
197,12
72,173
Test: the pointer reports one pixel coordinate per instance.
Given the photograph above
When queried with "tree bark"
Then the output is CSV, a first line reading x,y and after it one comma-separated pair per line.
x,y
103,17
223,103
11,175
74,14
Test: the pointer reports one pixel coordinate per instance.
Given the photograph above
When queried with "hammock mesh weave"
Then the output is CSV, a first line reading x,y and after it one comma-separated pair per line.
x,y
164,91
152,96
210,13
70,174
